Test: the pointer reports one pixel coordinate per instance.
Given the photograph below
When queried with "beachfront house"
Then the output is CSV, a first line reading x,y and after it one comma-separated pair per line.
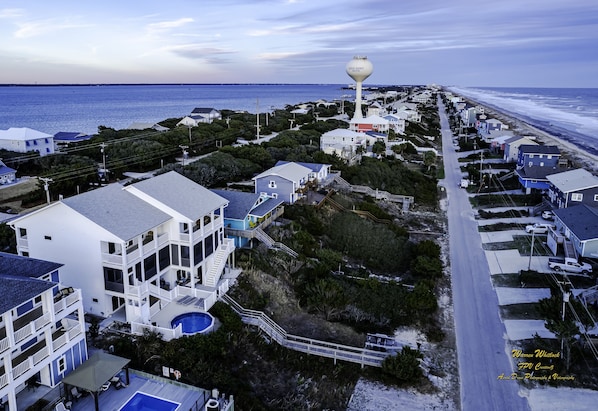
x,y
24,140
375,109
247,213
319,174
396,123
512,147
288,182
42,329
573,187
534,155
64,139
346,144
134,249
370,123
7,175
576,232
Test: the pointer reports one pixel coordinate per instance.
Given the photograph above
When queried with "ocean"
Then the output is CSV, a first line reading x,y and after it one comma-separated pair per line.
x,y
82,108
568,113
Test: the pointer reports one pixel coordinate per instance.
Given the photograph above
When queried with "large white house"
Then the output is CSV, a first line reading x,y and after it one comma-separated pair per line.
x,y
137,247
344,143
23,139
42,330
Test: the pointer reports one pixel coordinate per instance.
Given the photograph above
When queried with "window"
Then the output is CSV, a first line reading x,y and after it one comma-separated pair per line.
x,y
541,164
198,252
530,164
272,184
47,237
37,300
22,232
576,197
595,197
164,258
62,364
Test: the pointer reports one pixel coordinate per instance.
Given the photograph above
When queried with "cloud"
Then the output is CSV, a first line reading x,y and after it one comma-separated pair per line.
x,y
202,52
42,27
167,25
11,13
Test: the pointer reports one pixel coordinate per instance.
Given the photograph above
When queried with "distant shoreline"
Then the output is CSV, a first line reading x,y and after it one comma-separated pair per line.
x,y
582,156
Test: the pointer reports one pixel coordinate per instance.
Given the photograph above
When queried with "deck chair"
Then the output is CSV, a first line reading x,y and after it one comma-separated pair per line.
x,y
75,392
60,407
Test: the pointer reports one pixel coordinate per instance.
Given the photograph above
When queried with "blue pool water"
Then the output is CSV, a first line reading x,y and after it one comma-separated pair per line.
x,y
193,322
144,402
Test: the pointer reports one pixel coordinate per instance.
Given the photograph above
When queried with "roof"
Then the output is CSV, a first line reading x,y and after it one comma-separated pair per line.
x,y
267,206
203,110
315,167
536,173
538,149
517,138
4,169
96,371
16,265
370,120
582,220
17,290
573,180
342,132
181,194
117,211
240,203
22,133
289,171
71,136
19,279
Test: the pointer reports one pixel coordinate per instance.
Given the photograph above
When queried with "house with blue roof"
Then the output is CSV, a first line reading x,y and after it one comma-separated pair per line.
x,y
63,139
534,163
42,328
7,175
573,187
577,225
247,212
135,249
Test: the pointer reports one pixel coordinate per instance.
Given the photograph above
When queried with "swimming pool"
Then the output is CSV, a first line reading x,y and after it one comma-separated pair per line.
x,y
193,323
145,402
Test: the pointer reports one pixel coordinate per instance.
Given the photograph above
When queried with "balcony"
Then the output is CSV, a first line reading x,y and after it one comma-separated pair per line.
x,y
29,323
66,300
68,331
29,358
112,258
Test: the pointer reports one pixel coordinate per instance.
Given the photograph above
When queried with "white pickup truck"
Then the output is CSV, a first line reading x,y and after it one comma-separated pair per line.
x,y
570,265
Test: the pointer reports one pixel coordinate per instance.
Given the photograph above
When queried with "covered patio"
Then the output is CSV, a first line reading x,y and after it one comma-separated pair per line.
x,y
96,375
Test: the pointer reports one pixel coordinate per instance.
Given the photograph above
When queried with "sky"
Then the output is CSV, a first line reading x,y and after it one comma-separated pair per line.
x,y
500,43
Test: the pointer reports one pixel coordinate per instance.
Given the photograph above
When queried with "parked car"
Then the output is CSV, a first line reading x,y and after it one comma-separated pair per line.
x,y
538,228
569,264
547,215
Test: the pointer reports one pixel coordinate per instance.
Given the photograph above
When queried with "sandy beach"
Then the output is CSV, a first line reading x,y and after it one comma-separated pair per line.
x,y
578,157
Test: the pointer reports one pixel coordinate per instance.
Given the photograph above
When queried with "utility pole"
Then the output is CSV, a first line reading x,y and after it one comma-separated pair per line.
x,y
47,181
184,148
292,121
531,251
103,151
257,115
189,125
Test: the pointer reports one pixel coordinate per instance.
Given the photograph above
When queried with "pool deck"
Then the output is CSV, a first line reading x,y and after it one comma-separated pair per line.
x,y
165,316
190,398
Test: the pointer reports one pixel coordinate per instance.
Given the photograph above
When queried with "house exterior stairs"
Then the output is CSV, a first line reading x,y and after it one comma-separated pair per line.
x,y
220,257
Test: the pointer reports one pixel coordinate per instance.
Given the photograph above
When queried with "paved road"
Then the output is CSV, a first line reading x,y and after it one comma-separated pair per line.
x,y
481,345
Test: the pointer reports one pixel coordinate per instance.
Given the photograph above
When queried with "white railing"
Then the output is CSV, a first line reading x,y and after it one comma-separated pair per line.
x,y
3,380
59,342
22,368
40,355
184,237
4,344
162,238
271,243
74,331
23,333
112,258
167,333
219,262
322,348
42,321
167,295
138,290
67,301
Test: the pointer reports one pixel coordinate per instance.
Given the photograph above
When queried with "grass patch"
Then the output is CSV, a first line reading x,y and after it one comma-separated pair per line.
x,y
527,311
503,214
521,243
534,279
499,227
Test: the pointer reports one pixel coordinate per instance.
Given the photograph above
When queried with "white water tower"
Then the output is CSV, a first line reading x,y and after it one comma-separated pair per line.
x,y
359,69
